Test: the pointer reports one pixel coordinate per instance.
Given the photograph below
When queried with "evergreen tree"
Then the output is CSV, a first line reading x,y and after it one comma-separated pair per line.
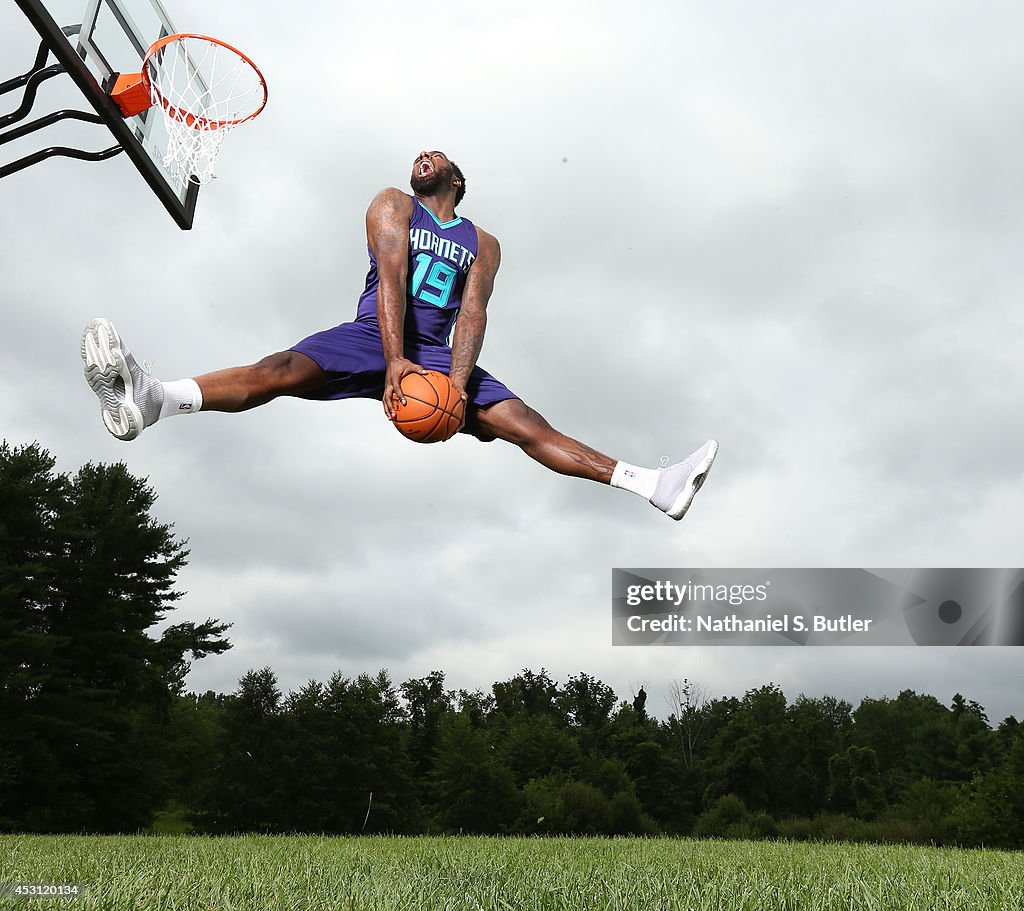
x,y
191,751
378,763
246,791
31,498
85,571
426,702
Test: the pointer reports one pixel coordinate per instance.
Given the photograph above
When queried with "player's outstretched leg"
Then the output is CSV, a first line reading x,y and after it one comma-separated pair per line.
x,y
131,399
670,489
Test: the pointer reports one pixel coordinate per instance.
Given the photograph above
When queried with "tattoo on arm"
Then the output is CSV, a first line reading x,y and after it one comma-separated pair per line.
x,y
469,329
387,232
466,344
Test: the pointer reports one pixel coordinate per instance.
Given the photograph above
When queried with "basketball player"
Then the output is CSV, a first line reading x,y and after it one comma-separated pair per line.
x,y
427,267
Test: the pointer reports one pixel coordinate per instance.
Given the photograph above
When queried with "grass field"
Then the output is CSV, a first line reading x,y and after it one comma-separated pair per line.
x,y
231,874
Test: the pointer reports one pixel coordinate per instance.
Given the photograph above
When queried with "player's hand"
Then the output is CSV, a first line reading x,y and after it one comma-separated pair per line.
x,y
397,369
465,404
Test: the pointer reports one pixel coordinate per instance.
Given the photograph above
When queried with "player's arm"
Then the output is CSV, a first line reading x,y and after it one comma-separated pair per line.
x,y
387,233
469,328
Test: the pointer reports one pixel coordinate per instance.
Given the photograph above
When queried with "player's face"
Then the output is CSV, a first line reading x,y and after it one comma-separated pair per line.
x,y
431,171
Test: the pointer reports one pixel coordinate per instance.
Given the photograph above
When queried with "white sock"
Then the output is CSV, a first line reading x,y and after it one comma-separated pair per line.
x,y
181,397
641,481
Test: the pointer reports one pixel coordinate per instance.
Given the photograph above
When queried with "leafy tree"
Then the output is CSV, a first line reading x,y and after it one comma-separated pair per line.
x,y
976,745
912,737
663,787
726,818
928,806
816,729
586,703
527,693
992,811
536,747
583,810
539,805
855,784
478,706
626,816
748,756
473,792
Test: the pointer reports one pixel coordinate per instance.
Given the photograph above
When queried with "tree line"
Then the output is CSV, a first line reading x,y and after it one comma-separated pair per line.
x,y
99,733
532,756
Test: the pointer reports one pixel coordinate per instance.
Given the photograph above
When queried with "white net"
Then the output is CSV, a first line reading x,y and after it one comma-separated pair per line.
x,y
205,89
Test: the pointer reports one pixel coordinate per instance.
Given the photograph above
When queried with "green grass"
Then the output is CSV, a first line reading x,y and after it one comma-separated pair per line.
x,y
421,874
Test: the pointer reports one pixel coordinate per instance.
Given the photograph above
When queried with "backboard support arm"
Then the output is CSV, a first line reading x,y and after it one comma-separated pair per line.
x,y
54,152
53,36
29,98
11,84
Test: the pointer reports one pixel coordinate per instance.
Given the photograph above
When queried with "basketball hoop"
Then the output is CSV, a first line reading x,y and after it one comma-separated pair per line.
x,y
204,88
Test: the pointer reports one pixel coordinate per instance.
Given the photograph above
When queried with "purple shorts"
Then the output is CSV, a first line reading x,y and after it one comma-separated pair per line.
x,y
353,357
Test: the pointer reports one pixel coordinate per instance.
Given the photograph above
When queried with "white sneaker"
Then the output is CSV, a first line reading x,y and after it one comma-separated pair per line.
x,y
678,483
130,398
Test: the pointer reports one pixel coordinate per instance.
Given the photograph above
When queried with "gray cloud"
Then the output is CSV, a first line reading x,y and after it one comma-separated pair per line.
x,y
791,228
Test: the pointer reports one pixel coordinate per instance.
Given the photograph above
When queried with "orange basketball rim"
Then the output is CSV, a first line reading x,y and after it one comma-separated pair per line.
x,y
204,87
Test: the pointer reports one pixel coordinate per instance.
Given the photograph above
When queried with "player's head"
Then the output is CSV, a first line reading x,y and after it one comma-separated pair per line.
x,y
433,173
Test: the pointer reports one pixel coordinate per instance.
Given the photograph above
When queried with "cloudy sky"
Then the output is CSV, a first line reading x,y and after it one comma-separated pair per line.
x,y
790,226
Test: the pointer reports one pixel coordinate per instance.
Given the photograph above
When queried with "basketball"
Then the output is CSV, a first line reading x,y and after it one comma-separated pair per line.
x,y
433,408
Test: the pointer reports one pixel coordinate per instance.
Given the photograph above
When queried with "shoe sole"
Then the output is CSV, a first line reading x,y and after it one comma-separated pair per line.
x,y
105,364
693,484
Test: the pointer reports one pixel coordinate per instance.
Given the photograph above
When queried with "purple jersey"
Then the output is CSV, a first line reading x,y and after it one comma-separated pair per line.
x,y
352,356
439,259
